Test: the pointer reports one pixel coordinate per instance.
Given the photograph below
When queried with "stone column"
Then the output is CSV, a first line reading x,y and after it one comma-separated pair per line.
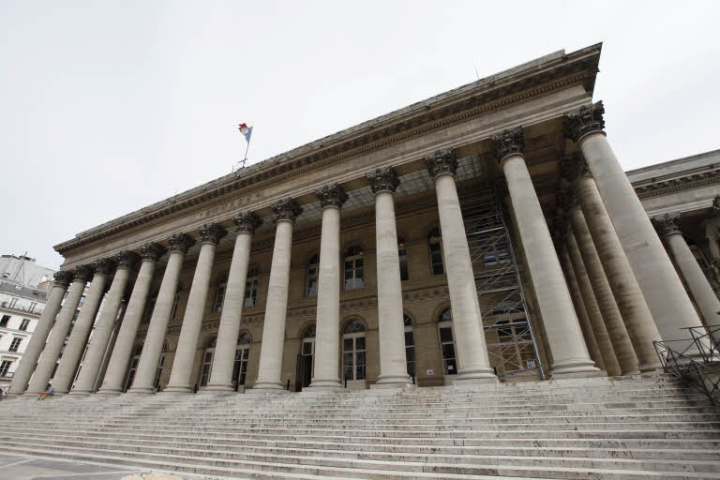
x,y
473,362
103,328
271,352
393,361
120,358
84,323
327,338
570,356
152,347
705,298
224,358
624,351
210,235
625,288
580,309
50,354
612,367
29,360
665,295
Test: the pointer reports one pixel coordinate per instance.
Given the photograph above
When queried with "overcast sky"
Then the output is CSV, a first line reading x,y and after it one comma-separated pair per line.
x,y
106,107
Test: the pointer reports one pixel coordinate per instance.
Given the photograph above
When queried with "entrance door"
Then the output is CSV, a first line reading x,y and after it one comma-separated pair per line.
x,y
303,373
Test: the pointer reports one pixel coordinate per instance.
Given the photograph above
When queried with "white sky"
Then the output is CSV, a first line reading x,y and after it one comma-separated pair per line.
x,y
106,107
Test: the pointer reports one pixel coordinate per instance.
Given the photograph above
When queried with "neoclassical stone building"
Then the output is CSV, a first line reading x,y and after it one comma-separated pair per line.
x,y
488,233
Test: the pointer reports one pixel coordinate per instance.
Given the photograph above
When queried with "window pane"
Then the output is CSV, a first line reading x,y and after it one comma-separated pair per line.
x,y
409,339
347,344
307,348
448,350
451,367
410,354
360,343
360,357
446,335
348,372
360,373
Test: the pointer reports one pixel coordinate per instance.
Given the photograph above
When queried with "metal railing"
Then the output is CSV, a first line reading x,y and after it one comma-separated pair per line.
x,y
696,360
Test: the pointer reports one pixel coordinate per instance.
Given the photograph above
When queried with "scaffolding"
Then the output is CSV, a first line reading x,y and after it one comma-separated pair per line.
x,y
509,335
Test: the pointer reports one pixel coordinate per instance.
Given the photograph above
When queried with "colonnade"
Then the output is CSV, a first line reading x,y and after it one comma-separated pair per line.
x,y
610,293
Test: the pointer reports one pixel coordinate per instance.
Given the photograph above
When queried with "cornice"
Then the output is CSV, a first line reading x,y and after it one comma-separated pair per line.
x,y
460,105
665,186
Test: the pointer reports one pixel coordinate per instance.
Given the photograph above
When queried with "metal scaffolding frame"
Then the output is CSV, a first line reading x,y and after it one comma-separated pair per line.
x,y
511,342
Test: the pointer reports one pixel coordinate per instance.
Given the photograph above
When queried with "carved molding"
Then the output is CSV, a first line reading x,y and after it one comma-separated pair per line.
x,y
83,273
589,119
383,180
332,195
656,188
573,167
180,243
508,142
246,222
152,251
442,162
104,266
127,260
63,278
211,233
668,224
286,209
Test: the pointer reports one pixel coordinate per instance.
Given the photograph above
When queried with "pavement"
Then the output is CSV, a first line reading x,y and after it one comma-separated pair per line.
x,y
25,467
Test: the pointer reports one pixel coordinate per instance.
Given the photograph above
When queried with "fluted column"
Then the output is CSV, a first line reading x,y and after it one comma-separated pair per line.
x,y
50,354
473,362
612,367
224,358
29,360
271,352
152,347
103,328
665,295
705,298
79,336
120,357
580,309
327,338
625,288
624,351
393,361
210,236
569,353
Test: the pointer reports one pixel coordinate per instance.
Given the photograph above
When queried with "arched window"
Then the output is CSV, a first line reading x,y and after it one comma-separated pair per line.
x,y
312,276
220,296
447,342
354,351
242,354
436,258
134,361
207,361
354,276
402,254
409,346
158,372
251,287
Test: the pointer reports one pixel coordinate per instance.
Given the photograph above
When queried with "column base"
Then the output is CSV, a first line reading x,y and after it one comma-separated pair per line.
x,y
170,389
267,387
323,386
141,391
630,374
218,389
475,378
109,392
576,369
555,375
393,381
81,393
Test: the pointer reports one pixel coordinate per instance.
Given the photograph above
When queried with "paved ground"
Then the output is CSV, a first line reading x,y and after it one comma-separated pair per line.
x,y
17,467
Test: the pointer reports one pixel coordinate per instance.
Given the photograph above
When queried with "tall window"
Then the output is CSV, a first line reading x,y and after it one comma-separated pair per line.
x,y
354,277
308,346
409,346
436,258
176,303
161,363
4,321
447,343
149,309
15,345
219,297
312,276
242,354
24,324
251,287
5,367
207,362
354,351
133,367
13,302
33,305
402,254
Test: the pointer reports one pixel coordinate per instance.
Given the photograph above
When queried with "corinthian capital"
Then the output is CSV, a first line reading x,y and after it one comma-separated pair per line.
x,y
332,195
127,260
668,224
180,243
573,167
589,119
286,209
442,162
153,251
509,142
63,278
104,266
83,273
246,222
211,233
715,209
383,180
566,202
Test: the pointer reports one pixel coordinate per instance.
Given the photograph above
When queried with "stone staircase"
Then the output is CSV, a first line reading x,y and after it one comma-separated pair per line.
x,y
620,428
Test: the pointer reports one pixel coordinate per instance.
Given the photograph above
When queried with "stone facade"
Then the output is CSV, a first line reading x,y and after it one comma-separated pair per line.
x,y
374,257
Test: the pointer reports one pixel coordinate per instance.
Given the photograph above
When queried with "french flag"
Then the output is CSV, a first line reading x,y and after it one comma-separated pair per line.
x,y
246,131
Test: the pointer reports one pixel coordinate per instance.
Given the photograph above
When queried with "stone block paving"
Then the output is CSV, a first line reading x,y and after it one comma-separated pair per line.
x,y
18,467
